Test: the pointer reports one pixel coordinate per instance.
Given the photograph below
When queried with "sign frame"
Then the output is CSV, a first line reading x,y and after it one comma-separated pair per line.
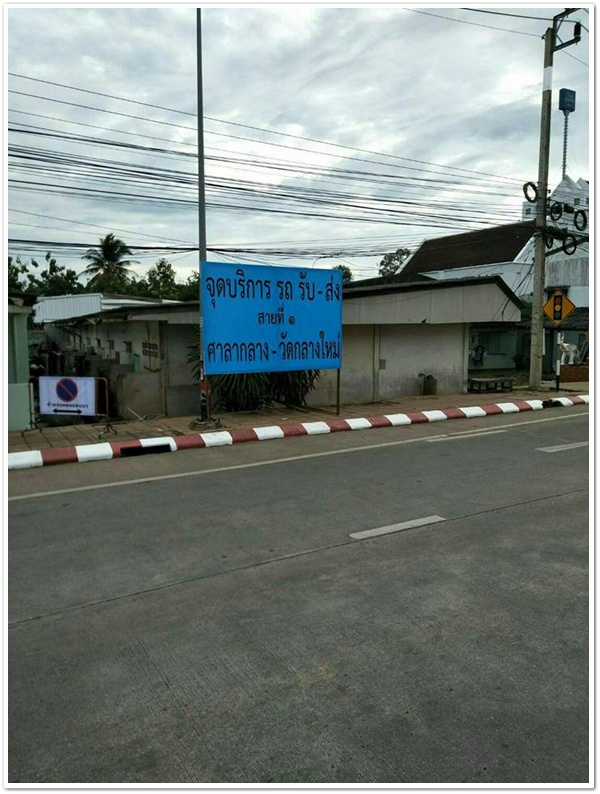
x,y
63,395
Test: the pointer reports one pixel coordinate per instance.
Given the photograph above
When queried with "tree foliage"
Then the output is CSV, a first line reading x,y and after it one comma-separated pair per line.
x,y
190,290
391,264
110,272
255,390
161,280
16,269
109,266
347,274
55,279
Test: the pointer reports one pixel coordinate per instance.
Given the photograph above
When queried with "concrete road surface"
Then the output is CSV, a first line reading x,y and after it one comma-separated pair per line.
x,y
235,615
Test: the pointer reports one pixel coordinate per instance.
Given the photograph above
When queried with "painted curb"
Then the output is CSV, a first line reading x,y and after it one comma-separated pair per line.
x,y
108,450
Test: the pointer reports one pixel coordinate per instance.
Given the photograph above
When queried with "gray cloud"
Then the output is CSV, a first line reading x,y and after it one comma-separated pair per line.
x,y
387,80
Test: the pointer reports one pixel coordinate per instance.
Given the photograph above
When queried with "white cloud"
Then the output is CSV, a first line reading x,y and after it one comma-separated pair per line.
x,y
393,81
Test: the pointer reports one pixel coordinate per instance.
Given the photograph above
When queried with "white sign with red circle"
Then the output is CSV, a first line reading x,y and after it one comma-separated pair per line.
x,y
67,395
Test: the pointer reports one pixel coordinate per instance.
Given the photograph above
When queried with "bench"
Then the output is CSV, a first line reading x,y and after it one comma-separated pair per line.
x,y
490,384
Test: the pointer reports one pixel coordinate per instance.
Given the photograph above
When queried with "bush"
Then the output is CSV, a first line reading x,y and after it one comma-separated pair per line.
x,y
255,390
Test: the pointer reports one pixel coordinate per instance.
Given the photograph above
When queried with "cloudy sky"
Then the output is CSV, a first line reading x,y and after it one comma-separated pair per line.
x,y
331,135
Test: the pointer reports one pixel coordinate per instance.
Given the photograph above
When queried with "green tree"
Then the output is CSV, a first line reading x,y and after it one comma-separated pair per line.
x,y
16,269
109,266
138,287
55,279
190,290
347,274
161,280
391,264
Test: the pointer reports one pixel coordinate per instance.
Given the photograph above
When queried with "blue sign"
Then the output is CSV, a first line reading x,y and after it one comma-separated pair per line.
x,y
258,318
67,390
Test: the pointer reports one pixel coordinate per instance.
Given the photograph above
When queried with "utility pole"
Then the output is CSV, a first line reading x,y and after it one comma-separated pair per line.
x,y
204,396
539,264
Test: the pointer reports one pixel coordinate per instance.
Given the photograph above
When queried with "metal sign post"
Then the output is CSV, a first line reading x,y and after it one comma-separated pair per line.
x,y
108,425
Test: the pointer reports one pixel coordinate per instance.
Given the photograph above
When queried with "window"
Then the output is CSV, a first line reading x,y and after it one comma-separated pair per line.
x,y
495,343
128,347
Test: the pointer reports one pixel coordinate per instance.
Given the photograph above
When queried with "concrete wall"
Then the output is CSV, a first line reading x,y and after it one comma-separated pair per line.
x,y
183,393
570,373
18,350
384,362
140,392
19,397
406,351
18,368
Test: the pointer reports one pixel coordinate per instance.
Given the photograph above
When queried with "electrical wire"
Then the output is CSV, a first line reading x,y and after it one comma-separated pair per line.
x,y
476,24
504,14
211,118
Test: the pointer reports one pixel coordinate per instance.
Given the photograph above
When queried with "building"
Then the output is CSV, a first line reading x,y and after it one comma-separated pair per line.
x,y
19,391
393,336
508,252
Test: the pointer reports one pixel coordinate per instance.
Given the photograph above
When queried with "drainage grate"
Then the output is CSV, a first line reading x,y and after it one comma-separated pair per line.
x,y
130,452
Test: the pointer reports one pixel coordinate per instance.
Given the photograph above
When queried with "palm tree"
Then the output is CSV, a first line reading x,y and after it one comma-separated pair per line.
x,y
108,266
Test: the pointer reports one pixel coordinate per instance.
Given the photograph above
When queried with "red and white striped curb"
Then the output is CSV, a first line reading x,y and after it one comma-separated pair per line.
x,y
119,449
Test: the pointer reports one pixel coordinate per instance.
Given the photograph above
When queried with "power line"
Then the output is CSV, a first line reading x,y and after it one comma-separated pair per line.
x,y
476,24
504,14
221,121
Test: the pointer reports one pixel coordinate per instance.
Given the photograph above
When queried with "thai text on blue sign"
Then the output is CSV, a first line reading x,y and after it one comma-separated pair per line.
x,y
257,318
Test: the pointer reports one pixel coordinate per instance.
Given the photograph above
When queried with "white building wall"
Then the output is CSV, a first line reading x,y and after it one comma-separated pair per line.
x,y
475,303
384,362
406,351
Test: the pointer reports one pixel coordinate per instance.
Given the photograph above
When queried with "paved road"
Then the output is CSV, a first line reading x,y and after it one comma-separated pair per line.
x,y
207,616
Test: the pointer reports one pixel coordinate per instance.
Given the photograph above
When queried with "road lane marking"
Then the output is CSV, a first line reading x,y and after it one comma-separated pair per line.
x,y
218,470
260,563
563,447
416,522
458,436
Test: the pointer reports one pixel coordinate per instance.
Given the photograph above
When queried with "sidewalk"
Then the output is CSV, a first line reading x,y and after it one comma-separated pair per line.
x,y
165,428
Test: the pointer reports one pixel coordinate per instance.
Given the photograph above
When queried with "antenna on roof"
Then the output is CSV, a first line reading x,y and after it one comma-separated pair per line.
x,y
566,103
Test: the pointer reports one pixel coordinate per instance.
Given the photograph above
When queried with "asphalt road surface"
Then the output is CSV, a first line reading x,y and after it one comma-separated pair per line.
x,y
404,605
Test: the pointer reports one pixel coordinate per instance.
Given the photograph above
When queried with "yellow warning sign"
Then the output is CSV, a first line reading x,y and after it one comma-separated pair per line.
x,y
558,307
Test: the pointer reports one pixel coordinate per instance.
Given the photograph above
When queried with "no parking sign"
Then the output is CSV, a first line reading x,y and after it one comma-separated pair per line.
x,y
68,395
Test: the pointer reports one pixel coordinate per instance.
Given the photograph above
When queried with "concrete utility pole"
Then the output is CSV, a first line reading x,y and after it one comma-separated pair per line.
x,y
205,405
539,264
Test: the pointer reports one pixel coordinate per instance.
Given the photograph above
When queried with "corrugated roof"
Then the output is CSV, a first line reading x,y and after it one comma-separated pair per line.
x,y
481,247
51,309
